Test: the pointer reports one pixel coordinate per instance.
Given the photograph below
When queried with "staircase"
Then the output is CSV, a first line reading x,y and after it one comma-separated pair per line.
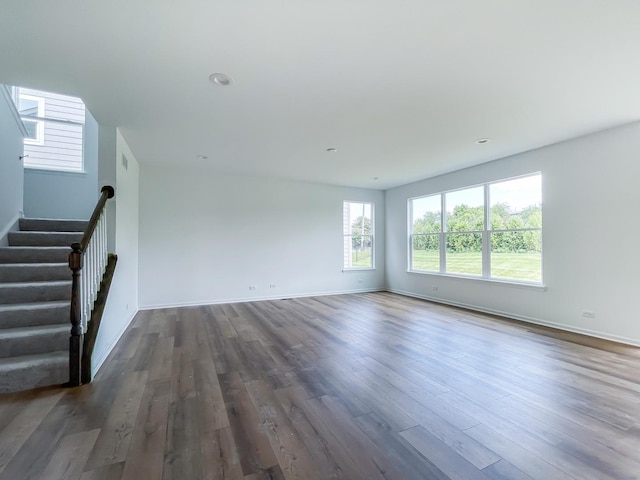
x,y
35,293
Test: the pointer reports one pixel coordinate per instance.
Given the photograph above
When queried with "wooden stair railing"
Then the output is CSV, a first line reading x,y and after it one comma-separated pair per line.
x,y
92,270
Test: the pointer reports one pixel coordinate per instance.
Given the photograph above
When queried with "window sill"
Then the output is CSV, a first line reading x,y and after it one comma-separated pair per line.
x,y
50,171
363,269
505,283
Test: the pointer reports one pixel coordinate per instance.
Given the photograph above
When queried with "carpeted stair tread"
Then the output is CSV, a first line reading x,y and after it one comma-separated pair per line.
x,y
31,371
33,305
34,254
41,358
34,272
36,284
20,341
34,314
24,292
52,225
43,239
21,332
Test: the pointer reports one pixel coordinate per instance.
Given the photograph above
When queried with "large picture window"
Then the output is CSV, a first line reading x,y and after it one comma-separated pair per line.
x,y
358,227
488,231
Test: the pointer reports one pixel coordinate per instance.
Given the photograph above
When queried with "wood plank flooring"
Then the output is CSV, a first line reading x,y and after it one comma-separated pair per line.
x,y
365,386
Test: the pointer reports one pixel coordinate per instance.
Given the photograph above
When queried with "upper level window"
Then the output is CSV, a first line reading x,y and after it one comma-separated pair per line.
x,y
55,128
30,108
358,235
488,231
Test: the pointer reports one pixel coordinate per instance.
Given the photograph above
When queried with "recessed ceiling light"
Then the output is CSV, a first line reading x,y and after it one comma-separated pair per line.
x,y
332,149
481,141
220,79
202,157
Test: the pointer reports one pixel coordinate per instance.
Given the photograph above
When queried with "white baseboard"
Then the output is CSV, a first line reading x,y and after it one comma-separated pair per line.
x,y
508,315
536,321
257,299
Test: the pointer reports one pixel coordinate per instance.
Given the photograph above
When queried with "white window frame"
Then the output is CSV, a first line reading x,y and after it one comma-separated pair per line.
x,y
37,119
347,237
486,235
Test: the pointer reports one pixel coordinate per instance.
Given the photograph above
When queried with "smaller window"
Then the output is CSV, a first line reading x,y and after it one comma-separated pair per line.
x,y
31,109
358,235
55,129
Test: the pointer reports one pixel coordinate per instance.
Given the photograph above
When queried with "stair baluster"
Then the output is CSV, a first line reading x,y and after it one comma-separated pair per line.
x,y
87,261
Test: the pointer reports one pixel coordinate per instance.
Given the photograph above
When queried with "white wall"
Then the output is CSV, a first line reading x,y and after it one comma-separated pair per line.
x,y
71,195
107,153
122,302
591,232
206,237
11,171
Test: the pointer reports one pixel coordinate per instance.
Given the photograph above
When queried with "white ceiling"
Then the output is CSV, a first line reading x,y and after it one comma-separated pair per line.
x,y
401,88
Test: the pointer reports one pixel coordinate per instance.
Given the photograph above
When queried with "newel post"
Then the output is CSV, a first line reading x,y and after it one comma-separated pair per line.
x,y
76,339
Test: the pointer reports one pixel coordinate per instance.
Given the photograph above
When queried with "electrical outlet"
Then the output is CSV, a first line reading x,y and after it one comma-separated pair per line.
x,y
588,314
252,287
360,280
272,285
434,288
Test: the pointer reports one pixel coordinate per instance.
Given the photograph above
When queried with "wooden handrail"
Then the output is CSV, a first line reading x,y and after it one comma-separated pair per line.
x,y
106,193
76,262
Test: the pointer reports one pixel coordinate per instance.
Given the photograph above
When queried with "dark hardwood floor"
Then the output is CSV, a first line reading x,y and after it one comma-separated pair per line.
x,y
355,386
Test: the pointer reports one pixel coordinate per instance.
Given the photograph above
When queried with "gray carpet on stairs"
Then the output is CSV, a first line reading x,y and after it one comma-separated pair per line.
x,y
35,293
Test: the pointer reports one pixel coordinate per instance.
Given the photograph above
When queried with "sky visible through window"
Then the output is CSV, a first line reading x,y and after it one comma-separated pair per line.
x,y
519,193
357,208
